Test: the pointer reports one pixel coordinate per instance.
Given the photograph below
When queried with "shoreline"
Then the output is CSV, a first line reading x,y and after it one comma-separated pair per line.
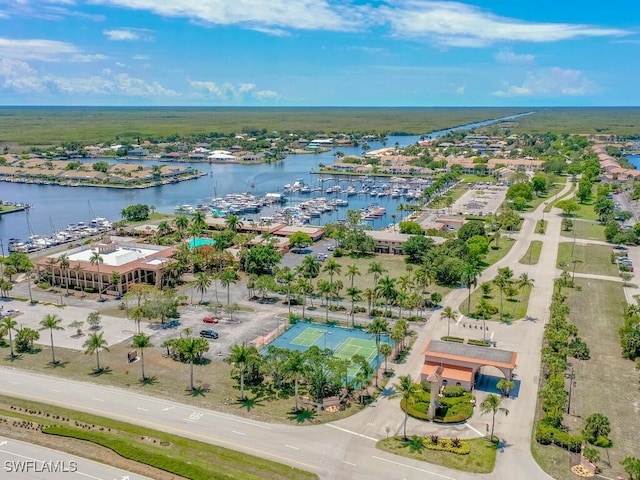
x,y
32,181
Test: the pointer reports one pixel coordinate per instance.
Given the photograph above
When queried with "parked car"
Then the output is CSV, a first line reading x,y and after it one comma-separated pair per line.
x,y
331,247
620,247
209,334
210,320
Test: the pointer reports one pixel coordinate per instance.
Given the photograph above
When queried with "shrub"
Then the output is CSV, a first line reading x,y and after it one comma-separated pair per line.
x,y
457,418
445,445
89,290
452,339
603,442
453,391
479,343
44,285
338,252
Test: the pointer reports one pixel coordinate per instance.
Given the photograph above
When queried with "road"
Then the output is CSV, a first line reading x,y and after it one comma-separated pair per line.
x,y
25,461
346,449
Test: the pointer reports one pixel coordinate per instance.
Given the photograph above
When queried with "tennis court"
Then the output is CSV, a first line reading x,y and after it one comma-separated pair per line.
x,y
344,342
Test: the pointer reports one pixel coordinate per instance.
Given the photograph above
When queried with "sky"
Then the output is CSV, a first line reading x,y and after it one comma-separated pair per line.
x,y
414,53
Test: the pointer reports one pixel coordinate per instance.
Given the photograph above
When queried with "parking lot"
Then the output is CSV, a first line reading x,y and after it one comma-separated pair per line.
x,y
480,200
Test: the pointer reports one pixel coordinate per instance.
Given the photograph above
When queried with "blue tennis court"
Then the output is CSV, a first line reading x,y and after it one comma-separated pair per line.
x,y
345,342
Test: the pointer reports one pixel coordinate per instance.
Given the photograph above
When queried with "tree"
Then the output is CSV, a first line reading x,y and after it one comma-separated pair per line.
x,y
491,404
352,272
355,294
142,341
503,281
191,349
407,389
417,247
449,314
387,289
567,206
300,240
93,319
295,366
471,229
25,338
96,259
202,282
378,327
8,324
233,222
505,386
632,467
411,228
385,351
310,267
63,260
182,223
135,213
326,290
595,427
524,281
287,276
94,344
469,277
241,357
377,270
260,259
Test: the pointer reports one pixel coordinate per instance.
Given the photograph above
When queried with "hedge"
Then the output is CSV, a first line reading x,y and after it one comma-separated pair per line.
x,y
444,445
546,435
478,343
452,339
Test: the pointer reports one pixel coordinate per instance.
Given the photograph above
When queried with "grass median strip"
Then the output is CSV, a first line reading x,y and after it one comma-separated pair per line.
x,y
533,253
171,453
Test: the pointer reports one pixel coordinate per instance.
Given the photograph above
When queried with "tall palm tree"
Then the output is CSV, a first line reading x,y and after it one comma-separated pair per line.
x,y
378,327
377,270
8,324
181,222
287,276
233,222
77,268
142,341
52,322
198,221
449,314
202,282
524,281
326,290
192,348
310,267
96,259
387,289
332,267
63,261
469,277
228,277
491,404
370,295
137,314
296,366
355,294
503,280
407,389
241,357
94,344
352,271
164,229
385,351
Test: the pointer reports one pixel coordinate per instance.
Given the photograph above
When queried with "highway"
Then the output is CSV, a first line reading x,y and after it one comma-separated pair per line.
x,y
25,461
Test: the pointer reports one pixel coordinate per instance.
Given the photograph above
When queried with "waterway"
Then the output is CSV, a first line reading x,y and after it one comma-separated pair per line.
x,y
54,207
634,160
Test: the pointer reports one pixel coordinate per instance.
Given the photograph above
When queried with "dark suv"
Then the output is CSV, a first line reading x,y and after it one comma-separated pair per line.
x,y
209,334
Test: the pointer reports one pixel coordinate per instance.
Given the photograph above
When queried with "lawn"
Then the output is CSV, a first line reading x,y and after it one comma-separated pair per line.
x,y
514,308
607,383
595,259
585,229
533,253
552,192
472,178
585,210
481,459
504,246
185,457
550,205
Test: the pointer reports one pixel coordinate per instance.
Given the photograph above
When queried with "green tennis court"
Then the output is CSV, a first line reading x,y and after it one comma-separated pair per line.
x,y
308,337
356,346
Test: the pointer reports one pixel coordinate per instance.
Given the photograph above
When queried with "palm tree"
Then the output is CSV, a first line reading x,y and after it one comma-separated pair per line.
x,y
492,404
505,386
163,229
304,288
191,349
385,351
326,290
241,357
407,389
296,366
310,267
524,281
96,259
142,341
77,268
287,276
378,327
377,269
198,221
503,281
469,277
137,314
116,278
449,314
332,267
233,222
354,293
352,271
202,282
387,289
93,344
52,322
8,324
228,277
63,260
181,223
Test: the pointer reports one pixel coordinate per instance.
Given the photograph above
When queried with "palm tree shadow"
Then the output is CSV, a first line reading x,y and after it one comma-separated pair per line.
x,y
14,357
196,391
251,403
58,364
148,380
98,372
303,415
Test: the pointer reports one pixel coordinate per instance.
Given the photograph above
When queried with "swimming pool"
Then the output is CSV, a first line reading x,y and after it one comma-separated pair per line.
x,y
199,242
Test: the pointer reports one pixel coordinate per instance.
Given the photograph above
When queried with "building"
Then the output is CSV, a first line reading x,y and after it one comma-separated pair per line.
x,y
393,242
459,364
122,264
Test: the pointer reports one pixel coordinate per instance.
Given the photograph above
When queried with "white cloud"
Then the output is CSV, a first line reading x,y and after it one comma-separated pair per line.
x,y
121,65
128,34
79,57
550,82
228,91
273,16
44,51
140,57
510,58
51,10
460,25
460,90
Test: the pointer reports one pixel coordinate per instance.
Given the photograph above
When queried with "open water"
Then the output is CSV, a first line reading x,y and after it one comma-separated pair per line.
x,y
54,207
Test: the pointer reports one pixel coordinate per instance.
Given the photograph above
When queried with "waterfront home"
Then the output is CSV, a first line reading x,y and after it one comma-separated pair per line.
x,y
393,242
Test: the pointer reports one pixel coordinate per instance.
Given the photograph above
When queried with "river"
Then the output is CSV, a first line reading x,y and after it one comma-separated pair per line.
x,y
54,207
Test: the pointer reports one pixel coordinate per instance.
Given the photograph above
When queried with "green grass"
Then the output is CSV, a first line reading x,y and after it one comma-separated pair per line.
x,y
41,126
185,457
587,230
585,210
571,120
540,224
553,191
504,246
472,178
481,459
514,308
533,253
569,193
454,194
594,259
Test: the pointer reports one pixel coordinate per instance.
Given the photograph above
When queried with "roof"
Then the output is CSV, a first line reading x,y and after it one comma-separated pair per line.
x,y
437,349
450,372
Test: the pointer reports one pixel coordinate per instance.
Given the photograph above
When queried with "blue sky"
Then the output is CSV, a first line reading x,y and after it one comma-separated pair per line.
x,y
320,52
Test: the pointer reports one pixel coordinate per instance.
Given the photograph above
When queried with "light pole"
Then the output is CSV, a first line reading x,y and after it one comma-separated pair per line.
x,y
573,276
570,376
324,337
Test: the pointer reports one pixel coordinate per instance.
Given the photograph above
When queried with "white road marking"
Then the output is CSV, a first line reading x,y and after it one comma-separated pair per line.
x,y
475,430
239,433
413,468
291,446
168,408
143,409
459,319
54,390
352,433
98,399
349,463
